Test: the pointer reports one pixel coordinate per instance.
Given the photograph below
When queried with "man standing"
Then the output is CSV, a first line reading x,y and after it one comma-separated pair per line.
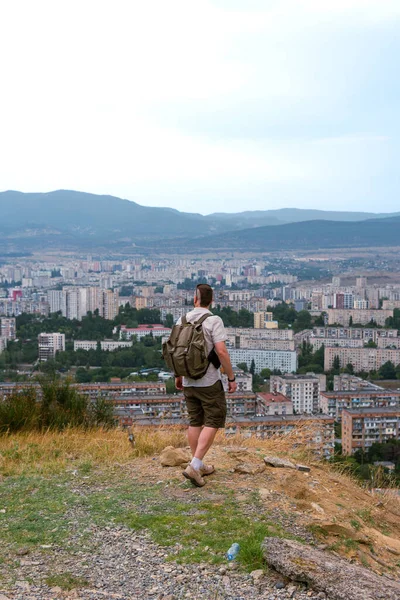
x,y
205,397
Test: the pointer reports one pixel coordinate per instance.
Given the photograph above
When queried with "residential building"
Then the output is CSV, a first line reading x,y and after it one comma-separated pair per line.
x,y
348,316
50,344
109,345
267,334
302,390
157,330
353,333
261,319
285,361
362,359
333,403
365,426
347,382
8,328
273,404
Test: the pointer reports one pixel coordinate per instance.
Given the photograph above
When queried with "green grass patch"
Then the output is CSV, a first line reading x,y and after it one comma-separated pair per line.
x,y
355,524
66,581
34,511
207,534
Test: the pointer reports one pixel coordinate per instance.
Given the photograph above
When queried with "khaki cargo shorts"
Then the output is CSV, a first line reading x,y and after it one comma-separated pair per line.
x,y
206,405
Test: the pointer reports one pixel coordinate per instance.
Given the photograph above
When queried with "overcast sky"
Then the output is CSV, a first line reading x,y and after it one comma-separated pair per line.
x,y
204,106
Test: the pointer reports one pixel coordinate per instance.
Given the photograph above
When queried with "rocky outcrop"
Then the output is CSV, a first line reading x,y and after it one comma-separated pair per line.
x,y
275,461
323,572
173,457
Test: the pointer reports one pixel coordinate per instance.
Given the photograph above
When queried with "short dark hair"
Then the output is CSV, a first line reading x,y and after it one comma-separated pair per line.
x,y
204,293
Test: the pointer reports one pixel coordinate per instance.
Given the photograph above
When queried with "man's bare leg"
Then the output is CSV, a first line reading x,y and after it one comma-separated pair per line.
x,y
193,438
205,441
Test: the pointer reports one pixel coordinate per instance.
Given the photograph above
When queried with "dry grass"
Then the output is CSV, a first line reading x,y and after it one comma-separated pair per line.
x,y
52,452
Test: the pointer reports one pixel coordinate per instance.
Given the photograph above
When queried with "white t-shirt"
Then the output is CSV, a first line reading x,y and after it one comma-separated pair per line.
x,y
214,331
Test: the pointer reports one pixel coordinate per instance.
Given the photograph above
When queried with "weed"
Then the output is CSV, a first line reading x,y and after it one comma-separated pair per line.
x,y
355,524
66,581
366,516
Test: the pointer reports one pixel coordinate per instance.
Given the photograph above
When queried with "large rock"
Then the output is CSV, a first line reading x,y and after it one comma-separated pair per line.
x,y
173,457
275,461
323,572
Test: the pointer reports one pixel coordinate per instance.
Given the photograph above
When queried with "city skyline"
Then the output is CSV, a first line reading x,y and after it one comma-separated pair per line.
x,y
237,106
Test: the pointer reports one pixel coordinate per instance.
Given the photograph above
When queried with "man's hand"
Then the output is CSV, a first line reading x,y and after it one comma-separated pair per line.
x,y
178,383
232,387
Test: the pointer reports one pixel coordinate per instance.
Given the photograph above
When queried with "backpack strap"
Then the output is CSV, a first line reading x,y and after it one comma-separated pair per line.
x,y
183,320
202,319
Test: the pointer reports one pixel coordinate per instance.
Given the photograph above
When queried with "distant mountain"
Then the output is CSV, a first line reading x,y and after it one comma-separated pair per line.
x,y
293,215
69,220
307,235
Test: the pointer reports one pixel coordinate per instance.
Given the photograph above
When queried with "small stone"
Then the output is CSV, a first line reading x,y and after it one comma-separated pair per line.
x,y
280,585
317,508
222,571
257,575
321,595
22,552
291,590
24,585
303,468
226,581
3,597
56,590
2,510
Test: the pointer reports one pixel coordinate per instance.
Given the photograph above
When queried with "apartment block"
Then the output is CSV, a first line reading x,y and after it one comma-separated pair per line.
x,y
303,390
365,426
362,359
108,391
8,328
259,343
353,333
267,334
317,431
346,382
347,316
388,342
265,359
273,404
157,330
264,320
333,403
50,344
109,345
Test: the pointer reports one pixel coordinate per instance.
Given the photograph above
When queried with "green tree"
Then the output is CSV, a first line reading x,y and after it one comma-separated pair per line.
x,y
336,363
169,320
243,366
252,369
387,371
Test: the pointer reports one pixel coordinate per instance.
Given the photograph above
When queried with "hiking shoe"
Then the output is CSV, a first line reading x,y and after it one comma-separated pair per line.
x,y
194,476
207,470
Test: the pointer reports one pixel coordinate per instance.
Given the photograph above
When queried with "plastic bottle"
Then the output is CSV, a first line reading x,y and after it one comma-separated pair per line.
x,y
233,552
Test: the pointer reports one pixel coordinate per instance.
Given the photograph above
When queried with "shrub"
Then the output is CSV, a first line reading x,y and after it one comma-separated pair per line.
x,y
57,406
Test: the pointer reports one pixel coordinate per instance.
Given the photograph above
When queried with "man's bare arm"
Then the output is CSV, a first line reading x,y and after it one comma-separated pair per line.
x,y
223,355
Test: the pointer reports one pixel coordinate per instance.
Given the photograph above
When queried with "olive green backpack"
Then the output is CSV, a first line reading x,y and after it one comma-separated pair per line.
x,y
185,352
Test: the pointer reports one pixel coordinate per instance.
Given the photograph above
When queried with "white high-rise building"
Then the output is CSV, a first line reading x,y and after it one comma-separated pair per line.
x,y
50,344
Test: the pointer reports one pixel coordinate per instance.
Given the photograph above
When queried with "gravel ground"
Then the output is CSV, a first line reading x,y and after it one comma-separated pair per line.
x,y
122,564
